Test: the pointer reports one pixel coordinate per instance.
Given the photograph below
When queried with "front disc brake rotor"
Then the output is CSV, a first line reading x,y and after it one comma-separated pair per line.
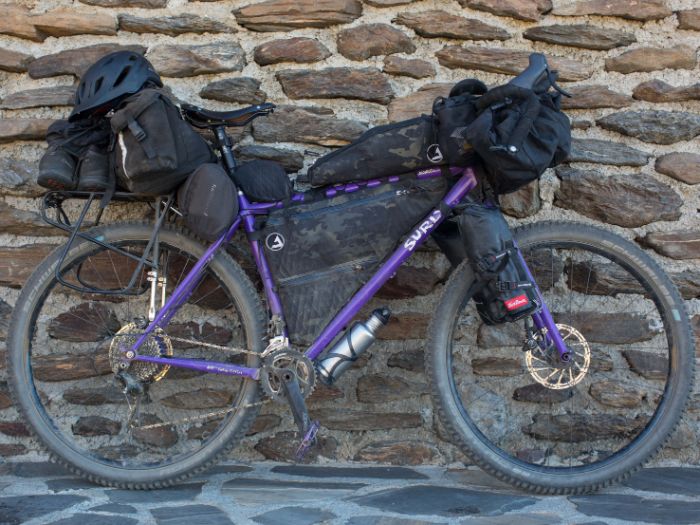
x,y
559,376
157,344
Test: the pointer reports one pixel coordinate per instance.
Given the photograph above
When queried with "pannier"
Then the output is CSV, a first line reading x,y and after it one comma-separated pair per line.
x,y
382,151
155,149
504,292
322,250
518,134
263,180
208,201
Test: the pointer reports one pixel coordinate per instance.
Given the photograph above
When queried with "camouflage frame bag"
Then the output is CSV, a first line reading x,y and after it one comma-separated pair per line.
x,y
384,150
323,250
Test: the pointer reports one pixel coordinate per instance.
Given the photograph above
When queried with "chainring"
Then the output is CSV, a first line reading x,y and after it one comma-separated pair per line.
x,y
281,361
157,344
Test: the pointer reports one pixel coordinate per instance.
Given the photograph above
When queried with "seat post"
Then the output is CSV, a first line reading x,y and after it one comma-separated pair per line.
x,y
223,142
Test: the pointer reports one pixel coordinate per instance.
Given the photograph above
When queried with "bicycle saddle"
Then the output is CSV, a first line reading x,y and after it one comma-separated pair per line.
x,y
205,118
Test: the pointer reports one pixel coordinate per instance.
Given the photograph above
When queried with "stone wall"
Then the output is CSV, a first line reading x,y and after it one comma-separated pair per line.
x,y
337,67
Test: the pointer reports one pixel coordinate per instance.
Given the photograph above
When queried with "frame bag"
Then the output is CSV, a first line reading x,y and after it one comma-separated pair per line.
x,y
155,148
321,251
518,134
503,291
208,201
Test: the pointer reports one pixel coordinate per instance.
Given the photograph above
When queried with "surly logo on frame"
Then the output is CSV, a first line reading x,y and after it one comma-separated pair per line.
x,y
274,242
434,154
422,230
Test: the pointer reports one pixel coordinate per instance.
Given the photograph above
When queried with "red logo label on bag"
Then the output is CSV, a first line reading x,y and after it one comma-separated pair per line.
x,y
516,302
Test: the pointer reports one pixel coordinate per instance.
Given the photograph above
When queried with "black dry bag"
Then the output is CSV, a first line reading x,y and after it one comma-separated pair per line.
x,y
505,293
155,148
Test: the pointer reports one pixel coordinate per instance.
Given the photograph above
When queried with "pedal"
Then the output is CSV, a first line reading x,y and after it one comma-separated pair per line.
x,y
308,441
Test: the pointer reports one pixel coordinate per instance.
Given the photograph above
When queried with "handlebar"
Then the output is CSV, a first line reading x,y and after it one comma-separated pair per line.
x,y
536,71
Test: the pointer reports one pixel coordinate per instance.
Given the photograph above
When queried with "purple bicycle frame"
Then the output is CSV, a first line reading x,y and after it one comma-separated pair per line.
x,y
542,319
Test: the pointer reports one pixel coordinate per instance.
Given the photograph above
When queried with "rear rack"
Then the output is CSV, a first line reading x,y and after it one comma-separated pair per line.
x,y
79,229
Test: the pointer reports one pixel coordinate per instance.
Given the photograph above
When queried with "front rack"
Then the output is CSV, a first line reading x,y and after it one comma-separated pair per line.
x,y
78,229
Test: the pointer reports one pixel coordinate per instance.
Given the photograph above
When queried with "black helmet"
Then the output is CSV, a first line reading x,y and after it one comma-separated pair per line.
x,y
110,78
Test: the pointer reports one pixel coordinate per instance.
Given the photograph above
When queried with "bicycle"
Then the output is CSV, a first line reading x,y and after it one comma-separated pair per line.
x,y
98,334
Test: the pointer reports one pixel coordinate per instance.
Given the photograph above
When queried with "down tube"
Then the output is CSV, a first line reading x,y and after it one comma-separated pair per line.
x,y
415,239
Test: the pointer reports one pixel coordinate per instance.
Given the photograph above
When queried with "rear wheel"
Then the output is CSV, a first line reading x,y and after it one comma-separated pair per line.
x,y
533,422
64,357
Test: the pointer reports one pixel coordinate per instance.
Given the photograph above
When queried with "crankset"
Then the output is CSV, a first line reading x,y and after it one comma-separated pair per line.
x,y
290,376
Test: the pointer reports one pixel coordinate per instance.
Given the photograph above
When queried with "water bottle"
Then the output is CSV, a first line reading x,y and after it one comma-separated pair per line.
x,y
353,343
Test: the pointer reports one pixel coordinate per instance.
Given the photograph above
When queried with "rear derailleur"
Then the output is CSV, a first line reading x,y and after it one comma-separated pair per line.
x,y
289,376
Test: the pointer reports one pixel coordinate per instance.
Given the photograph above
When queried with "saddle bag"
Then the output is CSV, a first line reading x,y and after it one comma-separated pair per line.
x,y
155,149
208,201
382,151
518,134
504,291
322,250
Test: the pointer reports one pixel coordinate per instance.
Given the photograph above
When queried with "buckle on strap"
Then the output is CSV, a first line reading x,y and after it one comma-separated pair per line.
x,y
136,130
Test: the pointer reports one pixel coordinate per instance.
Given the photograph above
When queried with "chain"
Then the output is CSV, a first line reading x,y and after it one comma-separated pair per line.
x,y
202,416
215,347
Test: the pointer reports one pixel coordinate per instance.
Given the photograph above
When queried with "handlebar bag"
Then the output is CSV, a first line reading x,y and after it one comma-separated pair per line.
x,y
208,201
504,292
518,135
155,149
386,150
452,115
323,249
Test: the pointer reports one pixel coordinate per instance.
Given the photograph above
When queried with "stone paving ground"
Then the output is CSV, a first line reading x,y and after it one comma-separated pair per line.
x,y
282,494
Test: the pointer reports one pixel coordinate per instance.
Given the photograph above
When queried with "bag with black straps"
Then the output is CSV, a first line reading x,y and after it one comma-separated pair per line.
x,y
155,149
503,291
323,249
518,134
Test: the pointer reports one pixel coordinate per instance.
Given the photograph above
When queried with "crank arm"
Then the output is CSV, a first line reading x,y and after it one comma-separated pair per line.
x,y
296,401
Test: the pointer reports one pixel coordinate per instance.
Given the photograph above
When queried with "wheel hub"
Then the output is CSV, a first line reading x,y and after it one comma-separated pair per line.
x,y
550,371
157,344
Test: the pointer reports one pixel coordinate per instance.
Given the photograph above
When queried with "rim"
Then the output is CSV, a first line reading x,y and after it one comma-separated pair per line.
x,y
73,387
600,418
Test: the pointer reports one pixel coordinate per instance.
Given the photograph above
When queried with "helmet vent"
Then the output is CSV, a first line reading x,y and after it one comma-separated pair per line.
x,y
122,76
98,84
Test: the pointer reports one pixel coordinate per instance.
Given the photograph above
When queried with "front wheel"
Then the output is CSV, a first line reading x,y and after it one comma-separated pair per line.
x,y
69,382
533,422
